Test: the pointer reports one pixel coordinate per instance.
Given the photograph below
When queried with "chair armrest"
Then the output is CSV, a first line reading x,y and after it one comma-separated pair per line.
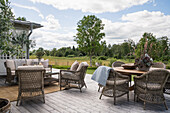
x,y
141,78
68,71
122,76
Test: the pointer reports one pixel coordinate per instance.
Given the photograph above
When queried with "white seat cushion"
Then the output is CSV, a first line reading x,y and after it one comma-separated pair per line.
x,y
30,67
69,75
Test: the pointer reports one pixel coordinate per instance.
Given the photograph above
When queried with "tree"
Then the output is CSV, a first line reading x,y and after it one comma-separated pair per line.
x,y
40,53
148,43
21,18
6,16
89,35
22,40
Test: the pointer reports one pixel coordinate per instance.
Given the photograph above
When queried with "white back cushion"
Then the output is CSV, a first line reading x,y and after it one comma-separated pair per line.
x,y
10,64
74,66
81,65
45,63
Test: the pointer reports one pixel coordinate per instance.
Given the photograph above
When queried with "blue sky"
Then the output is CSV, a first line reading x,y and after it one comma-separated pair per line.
x,y
123,19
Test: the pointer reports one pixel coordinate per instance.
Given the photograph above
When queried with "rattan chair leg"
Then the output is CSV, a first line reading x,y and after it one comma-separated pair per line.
x,y
99,89
144,105
165,105
19,98
85,84
134,97
102,93
43,95
128,96
114,100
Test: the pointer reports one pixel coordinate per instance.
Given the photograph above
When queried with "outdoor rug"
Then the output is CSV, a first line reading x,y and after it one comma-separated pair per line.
x,y
11,92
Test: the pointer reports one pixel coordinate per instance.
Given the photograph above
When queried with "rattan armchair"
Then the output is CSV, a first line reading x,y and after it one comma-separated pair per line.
x,y
117,85
31,82
149,86
68,77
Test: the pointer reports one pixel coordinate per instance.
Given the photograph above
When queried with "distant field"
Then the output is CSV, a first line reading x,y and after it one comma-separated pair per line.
x,y
65,62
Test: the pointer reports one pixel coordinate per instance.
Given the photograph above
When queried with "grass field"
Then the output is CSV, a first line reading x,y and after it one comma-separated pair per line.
x,y
66,62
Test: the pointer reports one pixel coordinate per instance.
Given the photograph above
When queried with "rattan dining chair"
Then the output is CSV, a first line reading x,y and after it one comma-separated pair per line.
x,y
167,84
118,64
149,86
31,82
117,85
159,65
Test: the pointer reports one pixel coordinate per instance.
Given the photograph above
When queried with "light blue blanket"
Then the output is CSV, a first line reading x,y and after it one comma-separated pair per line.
x,y
101,74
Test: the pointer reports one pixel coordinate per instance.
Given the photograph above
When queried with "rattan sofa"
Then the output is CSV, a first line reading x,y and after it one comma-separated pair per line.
x,y
12,65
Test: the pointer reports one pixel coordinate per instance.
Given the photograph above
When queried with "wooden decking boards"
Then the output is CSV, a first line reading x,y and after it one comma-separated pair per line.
x,y
74,101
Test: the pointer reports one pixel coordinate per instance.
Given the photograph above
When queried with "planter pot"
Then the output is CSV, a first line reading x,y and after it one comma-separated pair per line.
x,y
5,106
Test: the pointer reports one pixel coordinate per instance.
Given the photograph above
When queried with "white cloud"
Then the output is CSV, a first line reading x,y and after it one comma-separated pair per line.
x,y
50,40
29,7
48,36
51,23
133,26
94,6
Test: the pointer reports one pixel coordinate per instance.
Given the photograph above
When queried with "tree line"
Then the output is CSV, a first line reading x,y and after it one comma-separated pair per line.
x,y
157,48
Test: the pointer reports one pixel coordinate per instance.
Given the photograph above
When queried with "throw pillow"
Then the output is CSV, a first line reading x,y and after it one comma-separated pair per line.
x,y
74,66
81,65
11,64
45,63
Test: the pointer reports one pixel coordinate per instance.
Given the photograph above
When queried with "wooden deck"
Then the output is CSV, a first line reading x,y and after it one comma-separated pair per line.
x,y
88,101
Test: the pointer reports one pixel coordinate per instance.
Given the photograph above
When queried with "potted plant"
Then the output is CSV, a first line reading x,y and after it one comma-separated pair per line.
x,y
144,63
39,54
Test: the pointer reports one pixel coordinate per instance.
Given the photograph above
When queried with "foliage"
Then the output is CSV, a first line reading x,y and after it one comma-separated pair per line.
x,y
40,53
6,16
158,48
111,61
71,56
102,58
21,18
21,39
89,35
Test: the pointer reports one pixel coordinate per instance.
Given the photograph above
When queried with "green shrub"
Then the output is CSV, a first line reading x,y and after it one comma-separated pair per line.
x,y
71,56
102,58
93,57
111,61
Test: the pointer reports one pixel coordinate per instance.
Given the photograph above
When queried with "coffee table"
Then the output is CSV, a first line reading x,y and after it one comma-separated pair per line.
x,y
48,79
